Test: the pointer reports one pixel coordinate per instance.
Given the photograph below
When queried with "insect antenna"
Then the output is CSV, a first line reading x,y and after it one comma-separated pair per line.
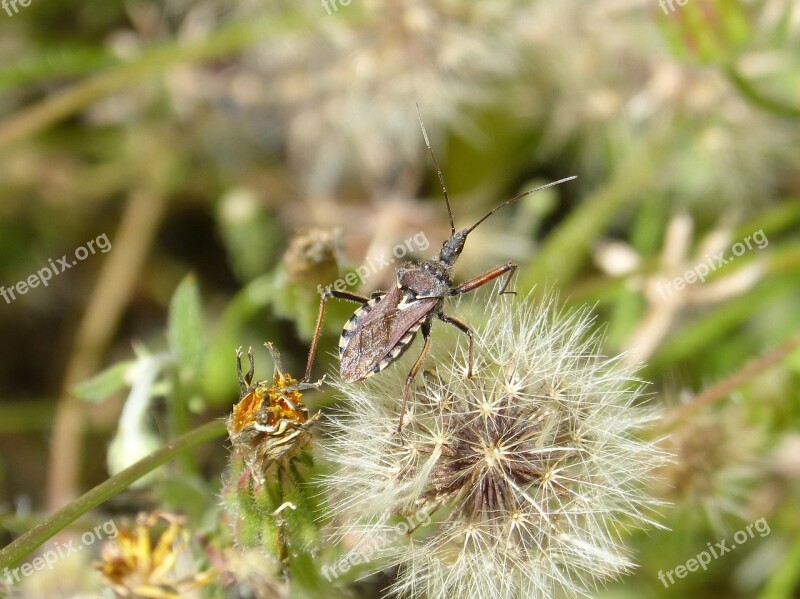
x,y
519,197
438,171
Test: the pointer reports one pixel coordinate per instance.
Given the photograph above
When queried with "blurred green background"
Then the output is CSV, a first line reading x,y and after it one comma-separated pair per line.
x,y
263,148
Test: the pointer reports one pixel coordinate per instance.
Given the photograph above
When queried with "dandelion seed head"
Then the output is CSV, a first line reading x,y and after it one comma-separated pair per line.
x,y
714,468
342,89
532,468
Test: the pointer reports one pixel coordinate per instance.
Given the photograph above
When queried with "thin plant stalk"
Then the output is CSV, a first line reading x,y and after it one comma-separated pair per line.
x,y
12,554
726,386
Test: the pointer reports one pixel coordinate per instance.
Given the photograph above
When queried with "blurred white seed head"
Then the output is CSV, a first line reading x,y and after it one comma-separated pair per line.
x,y
531,470
715,469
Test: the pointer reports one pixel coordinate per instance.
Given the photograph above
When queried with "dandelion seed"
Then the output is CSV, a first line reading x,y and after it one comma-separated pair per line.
x,y
531,469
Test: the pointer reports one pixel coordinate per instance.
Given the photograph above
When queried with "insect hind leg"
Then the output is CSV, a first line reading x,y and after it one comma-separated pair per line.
x,y
464,328
329,293
412,374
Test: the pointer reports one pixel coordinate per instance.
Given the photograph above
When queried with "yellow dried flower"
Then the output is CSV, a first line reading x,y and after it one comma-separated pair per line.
x,y
143,562
270,421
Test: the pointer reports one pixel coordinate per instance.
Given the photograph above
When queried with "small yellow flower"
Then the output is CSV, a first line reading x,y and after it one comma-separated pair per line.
x,y
140,562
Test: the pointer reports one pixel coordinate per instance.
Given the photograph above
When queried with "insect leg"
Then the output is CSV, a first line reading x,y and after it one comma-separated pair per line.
x,y
412,374
245,380
479,281
464,328
318,328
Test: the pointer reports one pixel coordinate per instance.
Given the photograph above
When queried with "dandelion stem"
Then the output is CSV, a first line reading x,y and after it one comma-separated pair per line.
x,y
13,553
737,379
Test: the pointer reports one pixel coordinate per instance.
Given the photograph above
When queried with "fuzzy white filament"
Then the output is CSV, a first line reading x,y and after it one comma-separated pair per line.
x,y
530,470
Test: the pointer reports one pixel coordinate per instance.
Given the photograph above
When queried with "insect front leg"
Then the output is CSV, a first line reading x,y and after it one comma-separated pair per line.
x,y
329,293
480,281
464,328
245,380
412,374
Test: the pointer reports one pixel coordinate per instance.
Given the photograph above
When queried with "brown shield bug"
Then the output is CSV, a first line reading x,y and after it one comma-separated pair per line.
x,y
384,326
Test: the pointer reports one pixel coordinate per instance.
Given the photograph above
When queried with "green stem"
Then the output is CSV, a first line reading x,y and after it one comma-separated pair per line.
x,y
13,553
728,385
751,92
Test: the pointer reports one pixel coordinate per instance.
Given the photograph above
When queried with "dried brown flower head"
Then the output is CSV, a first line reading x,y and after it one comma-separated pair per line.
x,y
714,467
313,255
270,421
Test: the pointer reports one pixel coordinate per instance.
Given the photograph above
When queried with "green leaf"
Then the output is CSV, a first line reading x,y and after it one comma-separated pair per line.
x,y
103,384
185,328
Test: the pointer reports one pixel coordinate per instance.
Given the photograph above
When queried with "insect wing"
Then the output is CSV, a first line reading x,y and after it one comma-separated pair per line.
x,y
379,332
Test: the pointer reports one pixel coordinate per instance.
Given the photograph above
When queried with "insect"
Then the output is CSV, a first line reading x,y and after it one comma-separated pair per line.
x,y
382,329
270,421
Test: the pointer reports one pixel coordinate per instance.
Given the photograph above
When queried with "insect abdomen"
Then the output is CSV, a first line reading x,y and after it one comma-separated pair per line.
x,y
371,341
398,350
354,321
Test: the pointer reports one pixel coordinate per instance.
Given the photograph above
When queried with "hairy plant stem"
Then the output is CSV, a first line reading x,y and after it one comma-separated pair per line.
x,y
13,553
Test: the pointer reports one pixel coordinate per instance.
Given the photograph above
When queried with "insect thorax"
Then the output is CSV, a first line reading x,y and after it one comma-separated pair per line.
x,y
430,279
